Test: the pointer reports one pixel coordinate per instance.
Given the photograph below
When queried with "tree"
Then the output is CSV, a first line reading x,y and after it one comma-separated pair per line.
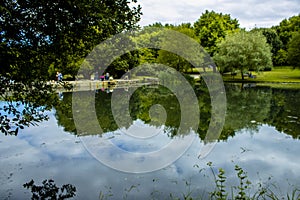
x,y
212,27
37,34
294,50
167,36
280,59
285,31
39,37
123,64
145,37
173,60
286,28
86,69
244,51
274,41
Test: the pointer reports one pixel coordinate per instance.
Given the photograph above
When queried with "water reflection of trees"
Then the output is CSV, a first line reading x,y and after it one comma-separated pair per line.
x,y
140,103
49,190
285,112
247,108
24,104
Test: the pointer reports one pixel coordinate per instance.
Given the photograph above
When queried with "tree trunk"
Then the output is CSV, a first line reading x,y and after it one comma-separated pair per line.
x,y
242,73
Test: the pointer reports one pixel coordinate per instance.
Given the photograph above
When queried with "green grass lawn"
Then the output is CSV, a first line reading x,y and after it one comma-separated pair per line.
x,y
277,75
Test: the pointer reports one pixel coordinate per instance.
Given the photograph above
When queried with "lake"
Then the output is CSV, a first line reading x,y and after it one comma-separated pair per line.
x,y
154,156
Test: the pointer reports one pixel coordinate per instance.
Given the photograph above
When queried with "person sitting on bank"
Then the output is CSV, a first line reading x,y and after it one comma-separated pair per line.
x,y
250,75
102,77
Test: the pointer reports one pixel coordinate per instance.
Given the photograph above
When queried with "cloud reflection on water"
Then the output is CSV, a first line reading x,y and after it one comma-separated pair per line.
x,y
42,152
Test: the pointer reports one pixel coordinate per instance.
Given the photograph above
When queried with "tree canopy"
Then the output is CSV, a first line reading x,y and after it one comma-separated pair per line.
x,y
212,27
285,30
176,61
39,37
243,51
275,43
35,35
287,27
294,50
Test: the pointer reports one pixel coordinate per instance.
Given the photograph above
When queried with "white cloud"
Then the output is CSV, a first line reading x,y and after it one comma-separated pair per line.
x,y
250,13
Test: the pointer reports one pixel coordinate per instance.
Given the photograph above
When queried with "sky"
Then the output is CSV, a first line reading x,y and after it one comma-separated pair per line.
x,y
250,13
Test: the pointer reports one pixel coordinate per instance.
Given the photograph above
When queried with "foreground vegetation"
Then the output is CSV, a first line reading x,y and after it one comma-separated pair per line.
x,y
242,191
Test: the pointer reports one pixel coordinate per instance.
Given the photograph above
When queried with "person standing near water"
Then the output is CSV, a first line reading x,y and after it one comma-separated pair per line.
x,y
59,76
107,76
96,77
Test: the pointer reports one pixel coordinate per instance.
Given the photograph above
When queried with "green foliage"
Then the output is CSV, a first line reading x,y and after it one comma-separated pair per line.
x,y
294,50
171,38
275,43
108,56
286,29
244,183
220,193
86,69
38,34
123,64
175,61
212,27
25,104
145,38
243,51
272,39
49,190
280,58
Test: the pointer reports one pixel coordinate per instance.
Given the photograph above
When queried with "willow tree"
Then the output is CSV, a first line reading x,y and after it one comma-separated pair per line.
x,y
243,51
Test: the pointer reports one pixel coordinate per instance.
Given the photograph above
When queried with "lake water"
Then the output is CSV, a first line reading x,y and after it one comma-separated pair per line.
x,y
261,134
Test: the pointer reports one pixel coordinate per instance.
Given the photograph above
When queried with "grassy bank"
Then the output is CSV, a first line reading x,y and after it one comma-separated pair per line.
x,y
277,75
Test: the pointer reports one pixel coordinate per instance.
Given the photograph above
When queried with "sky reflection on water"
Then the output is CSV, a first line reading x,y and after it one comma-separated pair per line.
x,y
47,151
